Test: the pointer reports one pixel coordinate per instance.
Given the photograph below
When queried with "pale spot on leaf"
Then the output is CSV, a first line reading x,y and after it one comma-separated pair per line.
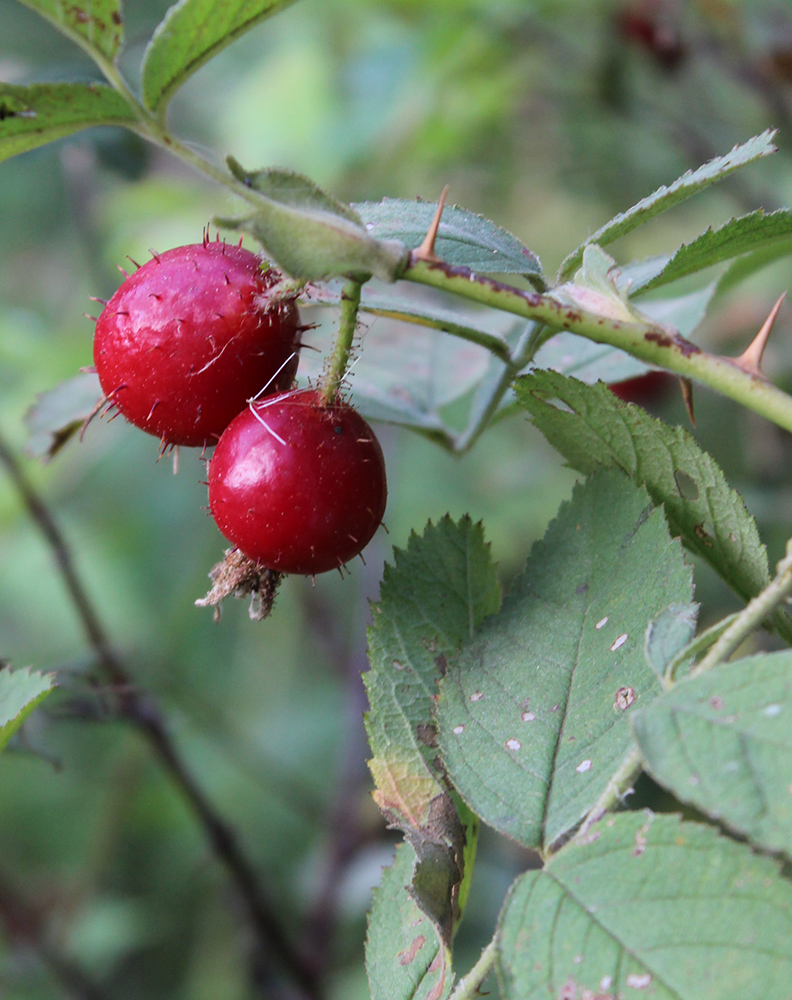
x,y
619,641
601,623
584,765
513,744
457,730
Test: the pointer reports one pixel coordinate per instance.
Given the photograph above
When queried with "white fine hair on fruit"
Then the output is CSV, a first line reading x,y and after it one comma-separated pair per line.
x,y
272,378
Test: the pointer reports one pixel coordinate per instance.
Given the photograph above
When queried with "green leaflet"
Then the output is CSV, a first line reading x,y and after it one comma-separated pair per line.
x,y
723,742
594,429
666,197
405,956
532,715
649,907
39,113
758,232
464,238
190,34
95,25
432,600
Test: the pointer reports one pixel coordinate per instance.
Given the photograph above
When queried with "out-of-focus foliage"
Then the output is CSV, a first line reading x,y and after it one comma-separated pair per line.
x,y
548,118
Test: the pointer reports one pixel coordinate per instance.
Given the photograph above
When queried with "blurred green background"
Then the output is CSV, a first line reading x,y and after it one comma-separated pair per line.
x,y
548,117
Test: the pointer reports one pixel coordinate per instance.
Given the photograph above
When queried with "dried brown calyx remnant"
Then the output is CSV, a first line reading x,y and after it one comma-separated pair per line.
x,y
241,577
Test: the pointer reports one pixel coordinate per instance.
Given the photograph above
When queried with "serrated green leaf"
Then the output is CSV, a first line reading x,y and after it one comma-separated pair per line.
x,y
595,429
431,601
668,635
722,741
33,115
754,232
750,263
20,692
310,235
666,197
189,35
649,907
464,238
405,957
95,25
59,413
532,714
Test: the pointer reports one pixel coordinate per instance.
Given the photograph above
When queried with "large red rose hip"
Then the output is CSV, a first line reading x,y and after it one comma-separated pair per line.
x,y
189,338
298,486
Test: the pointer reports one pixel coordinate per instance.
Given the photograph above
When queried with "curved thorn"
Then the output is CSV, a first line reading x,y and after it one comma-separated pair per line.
x,y
426,250
687,397
751,358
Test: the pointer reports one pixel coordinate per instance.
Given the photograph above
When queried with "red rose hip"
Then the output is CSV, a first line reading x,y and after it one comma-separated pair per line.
x,y
297,485
189,338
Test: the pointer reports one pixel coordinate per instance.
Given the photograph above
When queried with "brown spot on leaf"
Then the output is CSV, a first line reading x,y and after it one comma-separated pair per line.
x,y
426,733
625,696
702,535
408,954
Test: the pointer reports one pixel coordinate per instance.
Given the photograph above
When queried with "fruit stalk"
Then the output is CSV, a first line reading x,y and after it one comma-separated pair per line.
x,y
339,362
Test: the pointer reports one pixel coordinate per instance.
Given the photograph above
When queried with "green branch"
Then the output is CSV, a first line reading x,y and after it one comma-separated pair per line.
x,y
468,987
751,618
652,343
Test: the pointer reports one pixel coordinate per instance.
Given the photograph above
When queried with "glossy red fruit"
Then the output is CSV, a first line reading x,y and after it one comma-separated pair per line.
x,y
297,486
189,338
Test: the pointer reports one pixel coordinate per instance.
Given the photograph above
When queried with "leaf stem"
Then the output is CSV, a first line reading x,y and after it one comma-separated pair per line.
x,y
621,779
751,618
697,645
528,345
350,302
468,987
652,343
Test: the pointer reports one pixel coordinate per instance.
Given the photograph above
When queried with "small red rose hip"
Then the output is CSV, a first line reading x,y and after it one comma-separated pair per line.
x,y
189,338
297,485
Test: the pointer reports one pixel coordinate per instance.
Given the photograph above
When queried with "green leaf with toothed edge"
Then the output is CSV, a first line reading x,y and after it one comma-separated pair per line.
x,y
20,692
533,712
463,239
722,742
592,428
39,113
653,907
95,25
432,599
667,197
758,231
191,33
405,956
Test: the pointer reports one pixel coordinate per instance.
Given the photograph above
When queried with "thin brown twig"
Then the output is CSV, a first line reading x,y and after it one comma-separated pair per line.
x,y
143,712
